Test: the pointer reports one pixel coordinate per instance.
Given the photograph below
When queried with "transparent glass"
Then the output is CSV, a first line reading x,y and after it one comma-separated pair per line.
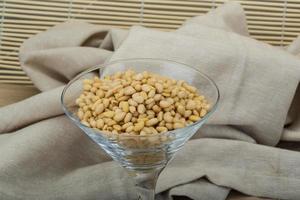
x,y
143,156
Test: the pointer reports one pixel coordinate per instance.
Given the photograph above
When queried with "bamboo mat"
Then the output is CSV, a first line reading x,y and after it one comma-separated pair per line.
x,y
276,22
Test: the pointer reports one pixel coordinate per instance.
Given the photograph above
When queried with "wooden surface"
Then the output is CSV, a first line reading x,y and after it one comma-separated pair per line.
x,y
238,196
10,93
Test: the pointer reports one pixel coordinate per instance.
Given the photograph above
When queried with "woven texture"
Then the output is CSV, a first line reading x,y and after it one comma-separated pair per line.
x,y
275,22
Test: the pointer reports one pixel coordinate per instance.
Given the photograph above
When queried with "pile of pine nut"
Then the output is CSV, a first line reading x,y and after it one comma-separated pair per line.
x,y
139,103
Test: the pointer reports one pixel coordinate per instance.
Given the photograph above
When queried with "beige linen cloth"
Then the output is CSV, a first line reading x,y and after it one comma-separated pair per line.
x,y
43,156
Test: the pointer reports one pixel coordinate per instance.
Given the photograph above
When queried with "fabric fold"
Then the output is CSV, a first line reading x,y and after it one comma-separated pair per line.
x,y
255,96
250,168
36,108
53,57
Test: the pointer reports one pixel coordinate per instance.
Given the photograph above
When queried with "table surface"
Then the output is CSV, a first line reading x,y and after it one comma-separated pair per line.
x,y
10,93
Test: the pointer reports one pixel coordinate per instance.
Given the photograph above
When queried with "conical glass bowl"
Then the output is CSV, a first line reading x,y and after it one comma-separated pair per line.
x,y
144,156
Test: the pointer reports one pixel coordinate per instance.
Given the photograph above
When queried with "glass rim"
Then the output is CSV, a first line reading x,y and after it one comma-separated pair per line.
x,y
126,135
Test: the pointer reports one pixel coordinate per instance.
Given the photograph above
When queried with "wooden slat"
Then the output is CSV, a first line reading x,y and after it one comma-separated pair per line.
x,y
273,3
9,48
274,28
3,42
262,32
12,72
8,53
9,67
16,82
8,58
136,4
14,63
85,10
14,39
14,30
23,21
19,35
2,77
30,27
37,22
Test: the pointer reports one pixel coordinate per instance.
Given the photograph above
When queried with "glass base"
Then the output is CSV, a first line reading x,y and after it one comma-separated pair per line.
x,y
145,182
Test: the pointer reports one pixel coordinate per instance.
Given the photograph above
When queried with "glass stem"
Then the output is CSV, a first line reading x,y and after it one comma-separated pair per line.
x,y
145,182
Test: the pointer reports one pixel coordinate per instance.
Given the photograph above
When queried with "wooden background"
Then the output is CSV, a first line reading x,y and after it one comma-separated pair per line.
x,y
276,22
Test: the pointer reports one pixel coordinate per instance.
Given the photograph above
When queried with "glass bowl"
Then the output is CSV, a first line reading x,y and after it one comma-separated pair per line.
x,y
144,156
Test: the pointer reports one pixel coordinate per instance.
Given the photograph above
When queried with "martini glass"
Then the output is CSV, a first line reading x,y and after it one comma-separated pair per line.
x,y
145,156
